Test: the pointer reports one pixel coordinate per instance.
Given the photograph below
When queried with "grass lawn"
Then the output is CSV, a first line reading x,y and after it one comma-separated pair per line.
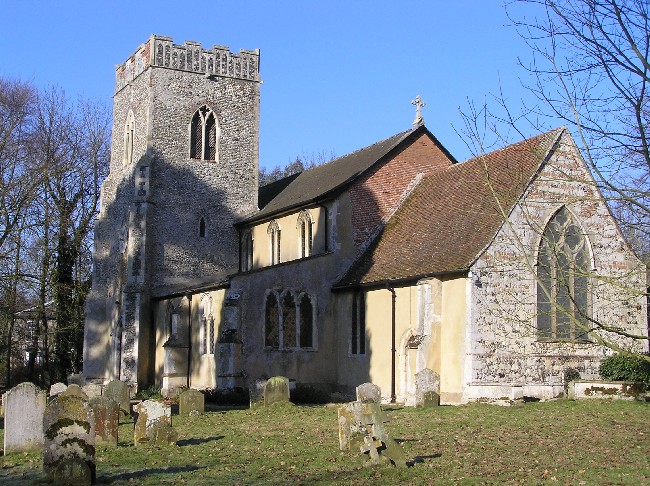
x,y
563,442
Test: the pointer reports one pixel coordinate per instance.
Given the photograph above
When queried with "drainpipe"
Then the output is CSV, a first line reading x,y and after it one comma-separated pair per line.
x,y
393,351
189,339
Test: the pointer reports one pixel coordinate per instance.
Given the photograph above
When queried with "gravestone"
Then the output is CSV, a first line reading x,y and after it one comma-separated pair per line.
x,y
256,393
191,402
77,379
74,391
92,390
69,440
368,393
23,418
361,426
427,388
119,391
276,390
154,424
107,417
57,388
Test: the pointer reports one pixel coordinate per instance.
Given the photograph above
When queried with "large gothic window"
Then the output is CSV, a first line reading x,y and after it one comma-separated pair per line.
x,y
305,224
274,242
289,321
129,130
204,135
563,300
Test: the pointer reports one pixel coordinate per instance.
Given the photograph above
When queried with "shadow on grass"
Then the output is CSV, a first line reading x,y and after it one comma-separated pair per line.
x,y
203,440
133,476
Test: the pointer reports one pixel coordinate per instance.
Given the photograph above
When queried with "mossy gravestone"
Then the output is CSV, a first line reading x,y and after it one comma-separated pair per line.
x,y
69,441
119,391
74,391
154,424
191,402
276,390
23,428
107,417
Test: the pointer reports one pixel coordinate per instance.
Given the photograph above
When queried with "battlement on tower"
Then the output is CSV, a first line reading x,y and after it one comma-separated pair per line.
x,y
160,51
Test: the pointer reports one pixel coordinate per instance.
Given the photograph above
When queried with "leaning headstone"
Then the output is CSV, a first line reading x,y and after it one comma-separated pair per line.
x,y
77,379
119,391
427,388
107,417
69,445
368,393
154,423
74,391
23,426
361,426
276,390
56,389
256,393
191,402
92,390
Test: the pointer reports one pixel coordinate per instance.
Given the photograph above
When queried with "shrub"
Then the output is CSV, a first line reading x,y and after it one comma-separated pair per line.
x,y
626,367
150,393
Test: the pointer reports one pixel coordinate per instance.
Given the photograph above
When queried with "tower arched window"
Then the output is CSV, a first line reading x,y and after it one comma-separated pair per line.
x,y
202,227
129,130
563,294
274,242
305,229
204,135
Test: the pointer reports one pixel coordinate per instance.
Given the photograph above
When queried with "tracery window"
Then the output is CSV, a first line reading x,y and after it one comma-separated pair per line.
x,y
305,228
274,242
247,251
358,327
207,325
204,135
289,321
129,130
563,295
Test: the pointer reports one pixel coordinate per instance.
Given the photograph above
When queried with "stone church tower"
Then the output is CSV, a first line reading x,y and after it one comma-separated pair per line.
x,y
184,167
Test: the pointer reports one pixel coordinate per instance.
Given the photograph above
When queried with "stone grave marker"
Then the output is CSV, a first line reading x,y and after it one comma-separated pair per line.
x,y
427,388
74,391
107,417
256,393
191,402
69,444
56,389
77,379
368,393
24,406
276,390
119,391
154,424
92,390
361,425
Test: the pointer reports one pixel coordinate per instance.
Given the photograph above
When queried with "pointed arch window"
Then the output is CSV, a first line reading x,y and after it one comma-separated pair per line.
x,y
247,251
306,318
289,321
274,242
563,291
305,229
272,322
129,130
204,135
207,326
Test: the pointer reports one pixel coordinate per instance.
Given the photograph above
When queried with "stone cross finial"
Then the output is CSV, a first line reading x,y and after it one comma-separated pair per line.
x,y
418,111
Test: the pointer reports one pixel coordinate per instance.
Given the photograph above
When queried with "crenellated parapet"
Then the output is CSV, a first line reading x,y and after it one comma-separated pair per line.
x,y
160,51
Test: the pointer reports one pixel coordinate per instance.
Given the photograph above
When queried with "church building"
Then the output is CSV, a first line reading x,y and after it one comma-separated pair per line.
x,y
499,274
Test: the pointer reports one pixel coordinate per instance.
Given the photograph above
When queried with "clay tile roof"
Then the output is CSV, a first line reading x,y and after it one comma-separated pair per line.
x,y
329,178
451,216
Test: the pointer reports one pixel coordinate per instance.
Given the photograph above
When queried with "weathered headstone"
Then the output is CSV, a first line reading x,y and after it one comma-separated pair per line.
x,y
119,391
368,393
256,393
191,402
69,445
92,390
276,390
154,424
57,388
77,379
361,425
74,391
427,388
23,427
107,417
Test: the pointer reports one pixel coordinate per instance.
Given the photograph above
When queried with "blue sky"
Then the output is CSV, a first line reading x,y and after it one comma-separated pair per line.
x,y
337,75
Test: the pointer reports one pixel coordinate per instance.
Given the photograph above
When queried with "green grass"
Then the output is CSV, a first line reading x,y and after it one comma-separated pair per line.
x,y
557,442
